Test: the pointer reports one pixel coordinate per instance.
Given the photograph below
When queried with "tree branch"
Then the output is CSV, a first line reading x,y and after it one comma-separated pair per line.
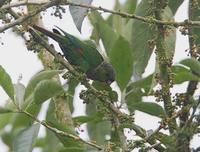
x,y
164,63
62,133
22,19
2,2
46,5
26,2
119,117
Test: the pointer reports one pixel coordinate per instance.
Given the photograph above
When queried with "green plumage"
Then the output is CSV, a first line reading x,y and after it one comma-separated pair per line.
x,y
82,54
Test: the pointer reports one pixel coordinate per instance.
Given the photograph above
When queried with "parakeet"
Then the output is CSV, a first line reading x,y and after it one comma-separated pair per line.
x,y
82,54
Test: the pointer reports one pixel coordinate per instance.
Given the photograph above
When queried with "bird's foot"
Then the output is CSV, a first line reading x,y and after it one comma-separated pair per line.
x,y
61,54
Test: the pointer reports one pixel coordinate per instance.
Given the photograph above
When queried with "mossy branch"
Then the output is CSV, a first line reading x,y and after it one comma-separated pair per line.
x,y
164,63
149,20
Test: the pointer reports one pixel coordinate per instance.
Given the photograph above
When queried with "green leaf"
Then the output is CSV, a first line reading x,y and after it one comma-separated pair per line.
x,y
104,30
43,75
116,22
170,33
166,139
73,149
174,5
122,60
141,36
193,64
95,130
6,83
23,142
67,142
144,83
19,93
182,74
134,96
46,89
101,86
136,90
84,119
126,31
79,13
5,110
5,119
71,85
149,108
129,6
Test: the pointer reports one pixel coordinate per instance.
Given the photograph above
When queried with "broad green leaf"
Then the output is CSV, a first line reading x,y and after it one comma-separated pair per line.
x,y
170,33
149,108
46,89
24,141
84,119
73,149
95,130
5,119
52,141
43,75
126,31
7,138
66,141
144,83
134,96
166,139
6,83
182,74
71,84
79,13
174,5
193,64
104,31
5,110
129,6
19,93
116,22
122,60
136,90
142,35
20,120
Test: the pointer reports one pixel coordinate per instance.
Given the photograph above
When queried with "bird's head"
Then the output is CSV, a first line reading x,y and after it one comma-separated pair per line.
x,y
109,72
103,73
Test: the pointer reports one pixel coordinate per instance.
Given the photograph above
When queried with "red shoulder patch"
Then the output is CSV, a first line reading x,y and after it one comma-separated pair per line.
x,y
80,50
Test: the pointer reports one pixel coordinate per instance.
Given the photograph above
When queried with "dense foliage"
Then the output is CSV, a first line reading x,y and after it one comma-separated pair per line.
x,y
129,36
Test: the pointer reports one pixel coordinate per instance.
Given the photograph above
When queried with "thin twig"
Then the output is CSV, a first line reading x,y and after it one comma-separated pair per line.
x,y
24,18
149,20
141,18
62,133
22,3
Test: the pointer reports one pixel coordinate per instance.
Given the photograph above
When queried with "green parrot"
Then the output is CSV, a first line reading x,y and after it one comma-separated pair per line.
x,y
82,54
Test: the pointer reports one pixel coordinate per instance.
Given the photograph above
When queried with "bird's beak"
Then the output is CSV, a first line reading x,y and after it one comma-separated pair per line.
x,y
109,82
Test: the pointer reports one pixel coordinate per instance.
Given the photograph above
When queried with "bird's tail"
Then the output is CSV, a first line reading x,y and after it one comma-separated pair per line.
x,y
54,35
